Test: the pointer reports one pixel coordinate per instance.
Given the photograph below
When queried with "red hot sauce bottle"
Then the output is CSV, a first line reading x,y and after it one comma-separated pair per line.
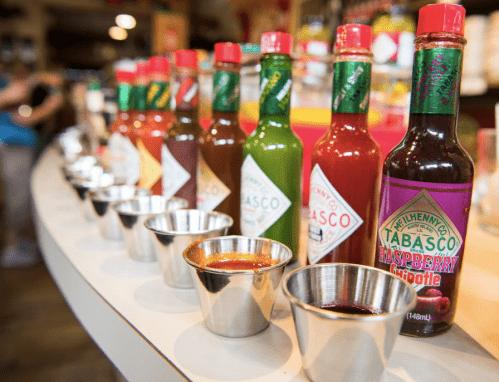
x,y
428,178
149,138
221,146
346,162
180,149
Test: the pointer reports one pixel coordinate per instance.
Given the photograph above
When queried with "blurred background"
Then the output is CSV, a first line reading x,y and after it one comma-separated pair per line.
x,y
68,44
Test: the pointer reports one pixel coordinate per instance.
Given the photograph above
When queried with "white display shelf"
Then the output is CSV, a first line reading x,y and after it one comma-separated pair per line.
x,y
152,332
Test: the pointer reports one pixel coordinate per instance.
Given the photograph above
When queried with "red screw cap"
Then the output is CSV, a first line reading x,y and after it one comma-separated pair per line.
x,y
186,58
124,76
277,42
142,69
441,18
228,52
159,64
353,36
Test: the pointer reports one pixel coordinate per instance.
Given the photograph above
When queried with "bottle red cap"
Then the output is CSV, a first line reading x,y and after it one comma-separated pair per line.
x,y
186,58
276,42
142,69
159,64
353,36
441,18
124,76
228,52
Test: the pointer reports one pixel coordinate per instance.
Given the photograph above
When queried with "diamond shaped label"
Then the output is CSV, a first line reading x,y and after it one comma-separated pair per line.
x,y
132,162
331,219
211,190
262,202
174,175
117,155
150,168
383,48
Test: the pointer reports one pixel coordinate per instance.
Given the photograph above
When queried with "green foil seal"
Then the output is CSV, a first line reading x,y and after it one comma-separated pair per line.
x,y
435,81
351,87
226,91
158,96
275,91
140,97
125,96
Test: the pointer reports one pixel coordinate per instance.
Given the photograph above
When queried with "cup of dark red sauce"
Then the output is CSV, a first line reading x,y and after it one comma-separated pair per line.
x,y
347,318
237,279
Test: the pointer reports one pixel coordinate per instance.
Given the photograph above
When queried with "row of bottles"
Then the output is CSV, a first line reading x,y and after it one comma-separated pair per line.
x,y
422,192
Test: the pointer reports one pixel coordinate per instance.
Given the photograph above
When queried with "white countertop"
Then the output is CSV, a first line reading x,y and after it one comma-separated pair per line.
x,y
152,332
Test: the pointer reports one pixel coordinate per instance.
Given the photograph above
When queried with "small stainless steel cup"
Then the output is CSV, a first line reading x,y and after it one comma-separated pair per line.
x,y
237,303
82,167
107,218
346,347
174,231
133,213
83,185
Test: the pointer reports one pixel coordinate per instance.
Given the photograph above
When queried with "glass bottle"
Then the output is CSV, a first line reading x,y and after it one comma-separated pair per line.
x,y
271,174
149,137
428,178
221,146
346,162
180,149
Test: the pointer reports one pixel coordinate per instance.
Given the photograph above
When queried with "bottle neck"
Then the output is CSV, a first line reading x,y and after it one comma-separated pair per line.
x,y
187,97
275,88
124,95
435,86
226,87
158,96
348,123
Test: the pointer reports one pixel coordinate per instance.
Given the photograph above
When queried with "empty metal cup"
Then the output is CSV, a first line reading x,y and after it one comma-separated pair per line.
x,y
107,218
82,167
340,346
83,185
175,231
237,303
133,213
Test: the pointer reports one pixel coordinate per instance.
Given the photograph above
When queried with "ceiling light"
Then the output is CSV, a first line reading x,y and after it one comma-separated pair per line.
x,y
126,21
118,33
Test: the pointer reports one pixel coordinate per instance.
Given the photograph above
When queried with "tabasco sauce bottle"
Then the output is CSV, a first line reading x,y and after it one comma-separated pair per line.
x,y
273,155
149,137
427,179
140,98
346,162
123,155
221,146
180,149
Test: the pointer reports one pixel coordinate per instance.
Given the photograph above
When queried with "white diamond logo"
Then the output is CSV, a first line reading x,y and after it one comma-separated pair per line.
x,y
132,161
262,202
174,175
211,190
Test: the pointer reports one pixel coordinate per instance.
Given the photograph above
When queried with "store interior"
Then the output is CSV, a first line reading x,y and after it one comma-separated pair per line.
x,y
75,42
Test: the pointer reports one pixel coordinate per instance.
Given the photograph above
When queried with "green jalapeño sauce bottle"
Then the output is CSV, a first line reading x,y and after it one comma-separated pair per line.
x,y
428,177
180,151
273,155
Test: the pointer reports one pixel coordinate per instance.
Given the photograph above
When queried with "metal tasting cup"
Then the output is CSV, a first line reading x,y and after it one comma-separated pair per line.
x,y
83,167
174,231
133,213
83,185
107,218
237,303
339,346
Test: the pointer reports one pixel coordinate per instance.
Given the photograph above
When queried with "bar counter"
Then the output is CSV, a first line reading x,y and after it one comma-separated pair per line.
x,y
152,332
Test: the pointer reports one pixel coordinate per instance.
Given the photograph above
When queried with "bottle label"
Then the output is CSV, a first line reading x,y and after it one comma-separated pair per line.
x,y
132,161
275,91
158,96
211,190
262,202
331,219
226,91
435,76
421,233
116,154
140,97
174,175
150,167
187,96
352,83
124,96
